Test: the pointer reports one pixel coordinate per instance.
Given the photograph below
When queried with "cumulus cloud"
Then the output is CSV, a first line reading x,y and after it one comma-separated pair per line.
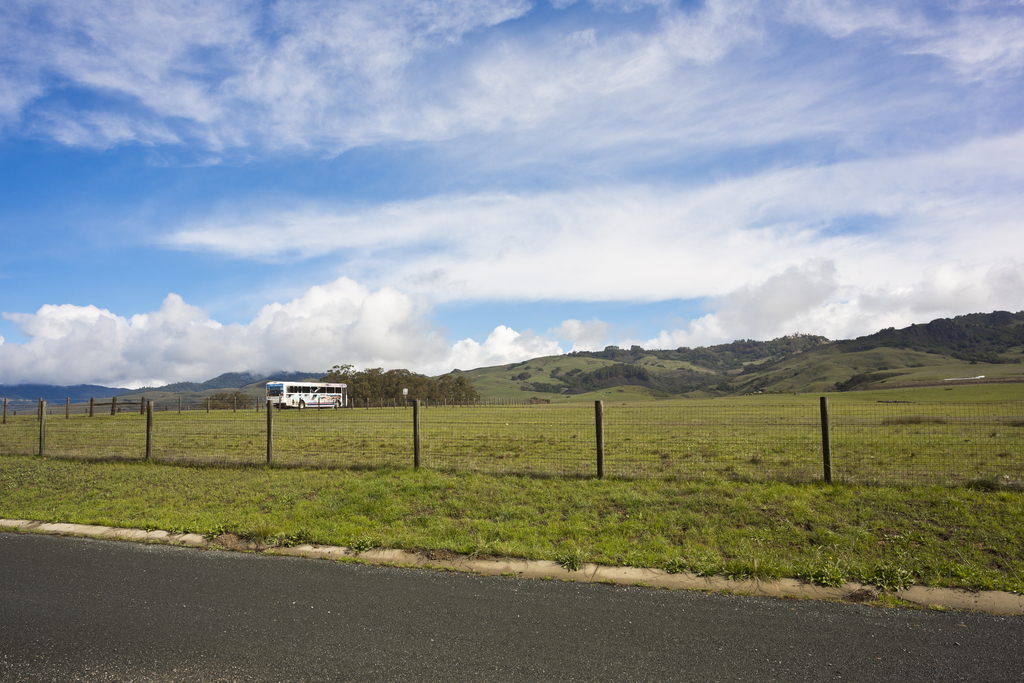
x,y
810,298
340,322
503,345
345,322
591,335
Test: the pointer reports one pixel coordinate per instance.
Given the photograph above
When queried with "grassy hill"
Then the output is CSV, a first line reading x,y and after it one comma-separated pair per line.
x,y
989,344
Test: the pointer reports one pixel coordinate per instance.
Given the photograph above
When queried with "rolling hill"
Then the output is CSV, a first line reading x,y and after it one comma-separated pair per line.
x,y
989,344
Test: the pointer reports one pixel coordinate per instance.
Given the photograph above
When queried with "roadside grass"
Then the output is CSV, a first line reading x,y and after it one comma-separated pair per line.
x,y
887,536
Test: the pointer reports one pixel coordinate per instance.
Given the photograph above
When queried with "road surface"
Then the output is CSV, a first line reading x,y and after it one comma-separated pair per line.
x,y
88,610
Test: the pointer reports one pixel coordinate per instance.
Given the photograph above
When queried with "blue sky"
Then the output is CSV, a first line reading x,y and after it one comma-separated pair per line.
x,y
194,188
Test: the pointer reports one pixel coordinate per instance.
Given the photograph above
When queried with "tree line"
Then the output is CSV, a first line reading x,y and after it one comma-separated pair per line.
x,y
374,384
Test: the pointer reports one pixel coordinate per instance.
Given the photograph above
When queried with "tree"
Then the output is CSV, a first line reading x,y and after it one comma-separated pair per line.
x,y
227,400
376,384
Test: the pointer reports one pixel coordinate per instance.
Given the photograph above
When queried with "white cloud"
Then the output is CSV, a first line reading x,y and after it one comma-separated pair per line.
x,y
979,39
809,299
228,72
340,322
881,222
329,76
345,322
591,335
503,345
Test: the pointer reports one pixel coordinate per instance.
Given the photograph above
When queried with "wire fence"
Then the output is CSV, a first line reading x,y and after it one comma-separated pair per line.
x,y
868,443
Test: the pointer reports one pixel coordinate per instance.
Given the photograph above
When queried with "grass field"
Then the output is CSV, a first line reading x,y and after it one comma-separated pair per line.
x,y
887,536
910,438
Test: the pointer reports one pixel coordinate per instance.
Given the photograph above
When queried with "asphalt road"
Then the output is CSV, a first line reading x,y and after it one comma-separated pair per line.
x,y
87,610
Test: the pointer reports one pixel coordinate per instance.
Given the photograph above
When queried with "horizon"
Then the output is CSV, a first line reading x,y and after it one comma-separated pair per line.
x,y
263,377
276,186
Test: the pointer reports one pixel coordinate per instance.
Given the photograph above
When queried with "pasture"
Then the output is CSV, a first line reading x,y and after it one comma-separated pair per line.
x,y
890,441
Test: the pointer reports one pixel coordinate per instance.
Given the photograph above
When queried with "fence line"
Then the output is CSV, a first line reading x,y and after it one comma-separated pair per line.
x,y
849,442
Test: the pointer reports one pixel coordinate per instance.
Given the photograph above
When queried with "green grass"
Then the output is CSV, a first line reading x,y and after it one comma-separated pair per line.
x,y
759,438
936,536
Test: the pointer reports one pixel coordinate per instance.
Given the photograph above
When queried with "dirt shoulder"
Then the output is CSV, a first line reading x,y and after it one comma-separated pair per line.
x,y
992,602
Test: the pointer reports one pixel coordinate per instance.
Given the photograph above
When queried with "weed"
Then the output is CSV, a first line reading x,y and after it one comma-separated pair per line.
x,y
891,577
363,543
830,571
571,558
676,566
284,540
706,566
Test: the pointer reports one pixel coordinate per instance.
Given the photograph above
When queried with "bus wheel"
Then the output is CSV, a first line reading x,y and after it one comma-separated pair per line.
x,y
302,404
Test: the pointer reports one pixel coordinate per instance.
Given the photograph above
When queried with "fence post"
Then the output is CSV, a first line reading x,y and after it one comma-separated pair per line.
x,y
599,426
270,432
67,409
416,433
207,405
179,405
92,405
5,411
826,444
113,405
42,427
149,430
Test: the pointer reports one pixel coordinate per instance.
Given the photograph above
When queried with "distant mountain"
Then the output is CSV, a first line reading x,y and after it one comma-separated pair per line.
x,y
83,392
229,380
50,392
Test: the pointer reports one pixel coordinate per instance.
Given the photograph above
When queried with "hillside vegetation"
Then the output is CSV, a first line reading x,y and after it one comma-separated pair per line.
x,y
969,346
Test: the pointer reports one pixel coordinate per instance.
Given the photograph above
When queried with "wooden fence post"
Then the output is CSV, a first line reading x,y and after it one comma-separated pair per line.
x,y
42,427
599,426
270,432
5,411
149,430
826,444
113,405
92,405
416,433
67,409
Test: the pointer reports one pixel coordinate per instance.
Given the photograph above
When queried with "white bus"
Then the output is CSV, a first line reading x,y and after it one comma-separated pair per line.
x,y
307,394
